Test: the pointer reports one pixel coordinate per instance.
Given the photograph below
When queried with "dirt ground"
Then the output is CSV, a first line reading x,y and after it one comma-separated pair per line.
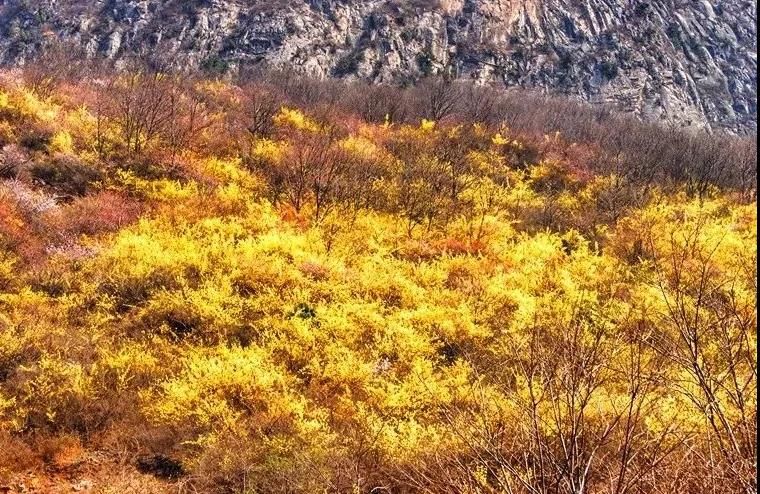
x,y
74,470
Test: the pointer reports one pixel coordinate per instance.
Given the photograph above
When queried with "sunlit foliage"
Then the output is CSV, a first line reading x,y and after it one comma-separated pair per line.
x,y
302,305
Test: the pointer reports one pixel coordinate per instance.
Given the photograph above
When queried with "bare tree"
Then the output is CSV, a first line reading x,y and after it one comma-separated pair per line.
x,y
438,97
709,333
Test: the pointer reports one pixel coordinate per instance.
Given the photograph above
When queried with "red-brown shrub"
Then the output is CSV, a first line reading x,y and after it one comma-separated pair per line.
x,y
105,211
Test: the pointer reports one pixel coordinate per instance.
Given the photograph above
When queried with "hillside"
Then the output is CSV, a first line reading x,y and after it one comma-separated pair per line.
x,y
691,62
298,286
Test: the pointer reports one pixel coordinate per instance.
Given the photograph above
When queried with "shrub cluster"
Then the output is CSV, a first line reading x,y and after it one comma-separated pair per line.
x,y
287,285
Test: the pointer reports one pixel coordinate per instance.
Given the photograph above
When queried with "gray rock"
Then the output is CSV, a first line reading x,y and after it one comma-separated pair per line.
x,y
687,61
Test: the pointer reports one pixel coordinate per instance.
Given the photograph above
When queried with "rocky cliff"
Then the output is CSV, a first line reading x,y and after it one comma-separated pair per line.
x,y
688,61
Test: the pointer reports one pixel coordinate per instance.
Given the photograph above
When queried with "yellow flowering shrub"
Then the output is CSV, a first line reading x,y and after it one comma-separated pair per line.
x,y
62,142
427,125
294,118
359,307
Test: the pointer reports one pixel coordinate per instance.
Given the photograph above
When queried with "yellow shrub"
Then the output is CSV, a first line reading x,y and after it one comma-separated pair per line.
x,y
450,321
499,140
294,118
427,125
361,147
62,142
220,389
162,190
269,151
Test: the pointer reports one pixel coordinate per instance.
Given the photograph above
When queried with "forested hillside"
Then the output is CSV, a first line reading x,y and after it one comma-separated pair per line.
x,y
286,285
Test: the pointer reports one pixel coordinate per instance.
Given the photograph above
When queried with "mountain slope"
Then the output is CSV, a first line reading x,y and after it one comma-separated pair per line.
x,y
693,62
210,287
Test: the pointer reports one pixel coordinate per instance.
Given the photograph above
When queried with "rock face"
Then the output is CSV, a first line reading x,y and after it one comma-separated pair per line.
x,y
689,61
